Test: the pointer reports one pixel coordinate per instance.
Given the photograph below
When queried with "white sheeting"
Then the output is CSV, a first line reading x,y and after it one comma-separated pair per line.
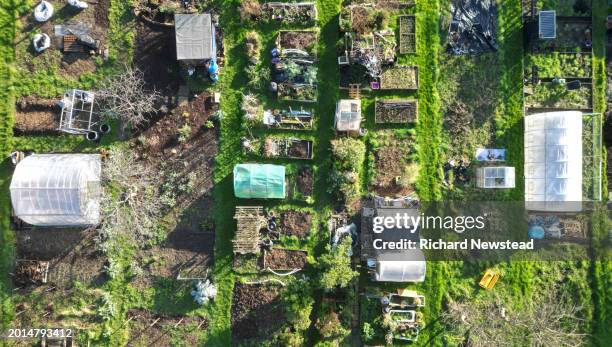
x,y
57,189
553,161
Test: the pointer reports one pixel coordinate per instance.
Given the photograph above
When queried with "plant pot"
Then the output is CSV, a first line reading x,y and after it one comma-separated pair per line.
x,y
92,136
105,128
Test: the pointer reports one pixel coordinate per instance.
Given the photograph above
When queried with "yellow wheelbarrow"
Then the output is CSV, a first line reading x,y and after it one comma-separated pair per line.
x,y
489,279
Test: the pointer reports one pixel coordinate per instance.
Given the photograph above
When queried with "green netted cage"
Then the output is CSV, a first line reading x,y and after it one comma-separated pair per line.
x,y
259,181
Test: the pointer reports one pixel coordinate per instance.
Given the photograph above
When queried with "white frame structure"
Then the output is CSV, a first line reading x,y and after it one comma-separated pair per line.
x,y
77,112
348,119
495,177
57,189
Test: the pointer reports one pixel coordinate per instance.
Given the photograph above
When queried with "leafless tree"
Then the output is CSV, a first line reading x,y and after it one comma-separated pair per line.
x,y
552,320
130,204
124,96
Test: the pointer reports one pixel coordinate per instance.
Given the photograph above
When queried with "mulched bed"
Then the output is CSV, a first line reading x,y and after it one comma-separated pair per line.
x,y
304,40
256,312
36,116
294,223
285,259
304,181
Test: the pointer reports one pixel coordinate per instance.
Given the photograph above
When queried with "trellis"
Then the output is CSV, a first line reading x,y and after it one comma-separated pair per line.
x,y
250,220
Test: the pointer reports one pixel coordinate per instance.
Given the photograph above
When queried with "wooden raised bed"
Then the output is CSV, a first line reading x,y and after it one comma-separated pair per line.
x,y
281,259
395,111
400,78
304,40
297,92
291,148
407,34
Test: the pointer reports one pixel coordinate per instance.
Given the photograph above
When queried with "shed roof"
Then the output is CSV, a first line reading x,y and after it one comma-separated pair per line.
x,y
57,189
194,36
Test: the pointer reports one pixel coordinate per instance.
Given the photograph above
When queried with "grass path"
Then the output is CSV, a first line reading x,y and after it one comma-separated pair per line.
x,y
231,83
9,12
429,127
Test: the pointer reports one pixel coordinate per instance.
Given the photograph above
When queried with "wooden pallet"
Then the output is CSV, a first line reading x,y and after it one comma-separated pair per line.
x,y
70,44
354,91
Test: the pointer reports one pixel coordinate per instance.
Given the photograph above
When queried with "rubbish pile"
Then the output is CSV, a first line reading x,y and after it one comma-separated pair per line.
x,y
472,28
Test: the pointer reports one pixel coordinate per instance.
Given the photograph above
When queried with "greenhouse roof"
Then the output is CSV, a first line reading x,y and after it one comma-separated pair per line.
x,y
259,181
57,189
553,160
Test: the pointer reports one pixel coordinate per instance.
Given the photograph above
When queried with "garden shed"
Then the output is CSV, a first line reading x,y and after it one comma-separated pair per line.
x,y
57,189
195,36
495,177
553,161
348,115
259,181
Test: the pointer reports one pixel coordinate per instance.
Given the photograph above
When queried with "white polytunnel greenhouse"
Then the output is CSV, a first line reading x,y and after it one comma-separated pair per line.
x,y
553,161
57,189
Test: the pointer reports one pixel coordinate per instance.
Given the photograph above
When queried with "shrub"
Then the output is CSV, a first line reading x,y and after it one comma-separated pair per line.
x,y
348,154
250,10
335,266
184,133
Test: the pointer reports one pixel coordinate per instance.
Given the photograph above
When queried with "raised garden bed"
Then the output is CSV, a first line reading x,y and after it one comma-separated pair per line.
x,y
303,40
36,116
301,13
289,119
297,92
295,223
304,181
400,78
562,65
395,111
284,259
291,148
572,34
407,37
547,95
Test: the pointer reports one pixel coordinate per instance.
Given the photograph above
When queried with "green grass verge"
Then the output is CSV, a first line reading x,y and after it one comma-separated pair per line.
x,y
429,126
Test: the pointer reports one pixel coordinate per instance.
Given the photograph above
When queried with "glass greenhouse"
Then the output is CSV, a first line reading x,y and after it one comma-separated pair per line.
x,y
57,189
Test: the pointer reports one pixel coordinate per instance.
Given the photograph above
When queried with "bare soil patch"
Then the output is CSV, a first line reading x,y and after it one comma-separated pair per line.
x,y
155,55
71,253
304,181
36,116
152,329
285,259
256,312
294,223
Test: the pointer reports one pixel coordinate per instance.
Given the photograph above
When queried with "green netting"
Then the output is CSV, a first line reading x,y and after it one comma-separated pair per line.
x,y
259,181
